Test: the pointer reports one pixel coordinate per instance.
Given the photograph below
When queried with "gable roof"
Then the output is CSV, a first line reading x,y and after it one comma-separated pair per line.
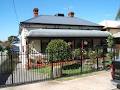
x,y
60,20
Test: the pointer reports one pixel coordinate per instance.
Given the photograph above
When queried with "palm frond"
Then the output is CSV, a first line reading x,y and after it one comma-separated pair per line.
x,y
118,15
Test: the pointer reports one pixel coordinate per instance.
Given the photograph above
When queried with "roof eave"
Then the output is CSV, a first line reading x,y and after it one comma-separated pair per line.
x,y
112,28
23,23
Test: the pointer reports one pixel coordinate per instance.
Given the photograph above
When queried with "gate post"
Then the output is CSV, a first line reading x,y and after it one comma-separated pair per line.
x,y
52,70
51,62
11,70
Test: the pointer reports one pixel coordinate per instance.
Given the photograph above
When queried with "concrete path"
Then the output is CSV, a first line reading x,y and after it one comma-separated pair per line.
x,y
97,81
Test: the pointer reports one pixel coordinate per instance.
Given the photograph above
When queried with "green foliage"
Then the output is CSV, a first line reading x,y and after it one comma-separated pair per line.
x,y
110,41
110,55
92,55
99,52
1,48
110,45
42,70
84,53
76,53
72,66
12,38
58,50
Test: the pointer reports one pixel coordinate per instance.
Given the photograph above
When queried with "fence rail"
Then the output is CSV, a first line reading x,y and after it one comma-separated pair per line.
x,y
16,68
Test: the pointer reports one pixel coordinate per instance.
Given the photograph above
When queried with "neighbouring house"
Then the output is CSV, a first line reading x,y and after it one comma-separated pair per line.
x,y
37,32
15,46
114,28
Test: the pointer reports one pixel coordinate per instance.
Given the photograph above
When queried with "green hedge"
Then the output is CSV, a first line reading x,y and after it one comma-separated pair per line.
x,y
73,66
58,50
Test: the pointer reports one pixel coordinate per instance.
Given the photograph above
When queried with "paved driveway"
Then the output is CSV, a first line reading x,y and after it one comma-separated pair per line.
x,y
97,81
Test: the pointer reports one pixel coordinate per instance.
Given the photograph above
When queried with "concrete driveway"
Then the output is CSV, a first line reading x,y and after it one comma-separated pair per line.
x,y
95,81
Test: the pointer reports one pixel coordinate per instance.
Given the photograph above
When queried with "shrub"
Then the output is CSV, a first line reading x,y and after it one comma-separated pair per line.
x,y
85,53
110,41
92,55
58,50
99,52
72,66
76,53
1,48
110,55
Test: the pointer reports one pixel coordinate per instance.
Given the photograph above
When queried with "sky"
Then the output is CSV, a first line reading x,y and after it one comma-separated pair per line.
x,y
92,10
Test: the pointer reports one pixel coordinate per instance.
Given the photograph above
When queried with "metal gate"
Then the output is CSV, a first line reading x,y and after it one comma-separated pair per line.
x,y
38,67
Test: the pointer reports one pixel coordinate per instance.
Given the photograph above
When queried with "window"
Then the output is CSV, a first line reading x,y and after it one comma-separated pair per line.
x,y
78,44
44,44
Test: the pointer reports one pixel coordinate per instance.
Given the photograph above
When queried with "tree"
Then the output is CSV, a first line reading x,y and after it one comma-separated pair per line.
x,y
8,43
58,50
110,43
1,48
12,38
118,15
0,41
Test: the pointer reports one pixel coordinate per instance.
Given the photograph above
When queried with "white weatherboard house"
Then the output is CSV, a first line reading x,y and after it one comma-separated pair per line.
x,y
111,26
114,28
36,33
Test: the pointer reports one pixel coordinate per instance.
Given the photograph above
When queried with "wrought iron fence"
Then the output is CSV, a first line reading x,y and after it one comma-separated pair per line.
x,y
17,68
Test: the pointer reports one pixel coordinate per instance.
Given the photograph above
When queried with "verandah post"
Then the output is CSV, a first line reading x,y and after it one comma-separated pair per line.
x,y
103,59
81,63
82,46
27,53
97,60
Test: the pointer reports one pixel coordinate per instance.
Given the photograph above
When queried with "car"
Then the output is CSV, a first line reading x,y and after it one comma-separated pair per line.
x,y
115,73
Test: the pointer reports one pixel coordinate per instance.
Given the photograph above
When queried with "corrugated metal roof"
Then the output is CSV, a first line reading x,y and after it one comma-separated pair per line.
x,y
47,19
66,33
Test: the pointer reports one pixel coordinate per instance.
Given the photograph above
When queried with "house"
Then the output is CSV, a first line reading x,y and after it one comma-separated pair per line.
x,y
111,26
114,28
37,32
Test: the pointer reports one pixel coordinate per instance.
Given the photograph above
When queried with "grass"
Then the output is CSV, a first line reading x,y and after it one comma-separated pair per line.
x,y
43,70
85,69
47,70
71,71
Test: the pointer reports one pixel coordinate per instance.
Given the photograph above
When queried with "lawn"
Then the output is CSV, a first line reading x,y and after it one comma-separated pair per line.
x,y
43,70
73,71
85,69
